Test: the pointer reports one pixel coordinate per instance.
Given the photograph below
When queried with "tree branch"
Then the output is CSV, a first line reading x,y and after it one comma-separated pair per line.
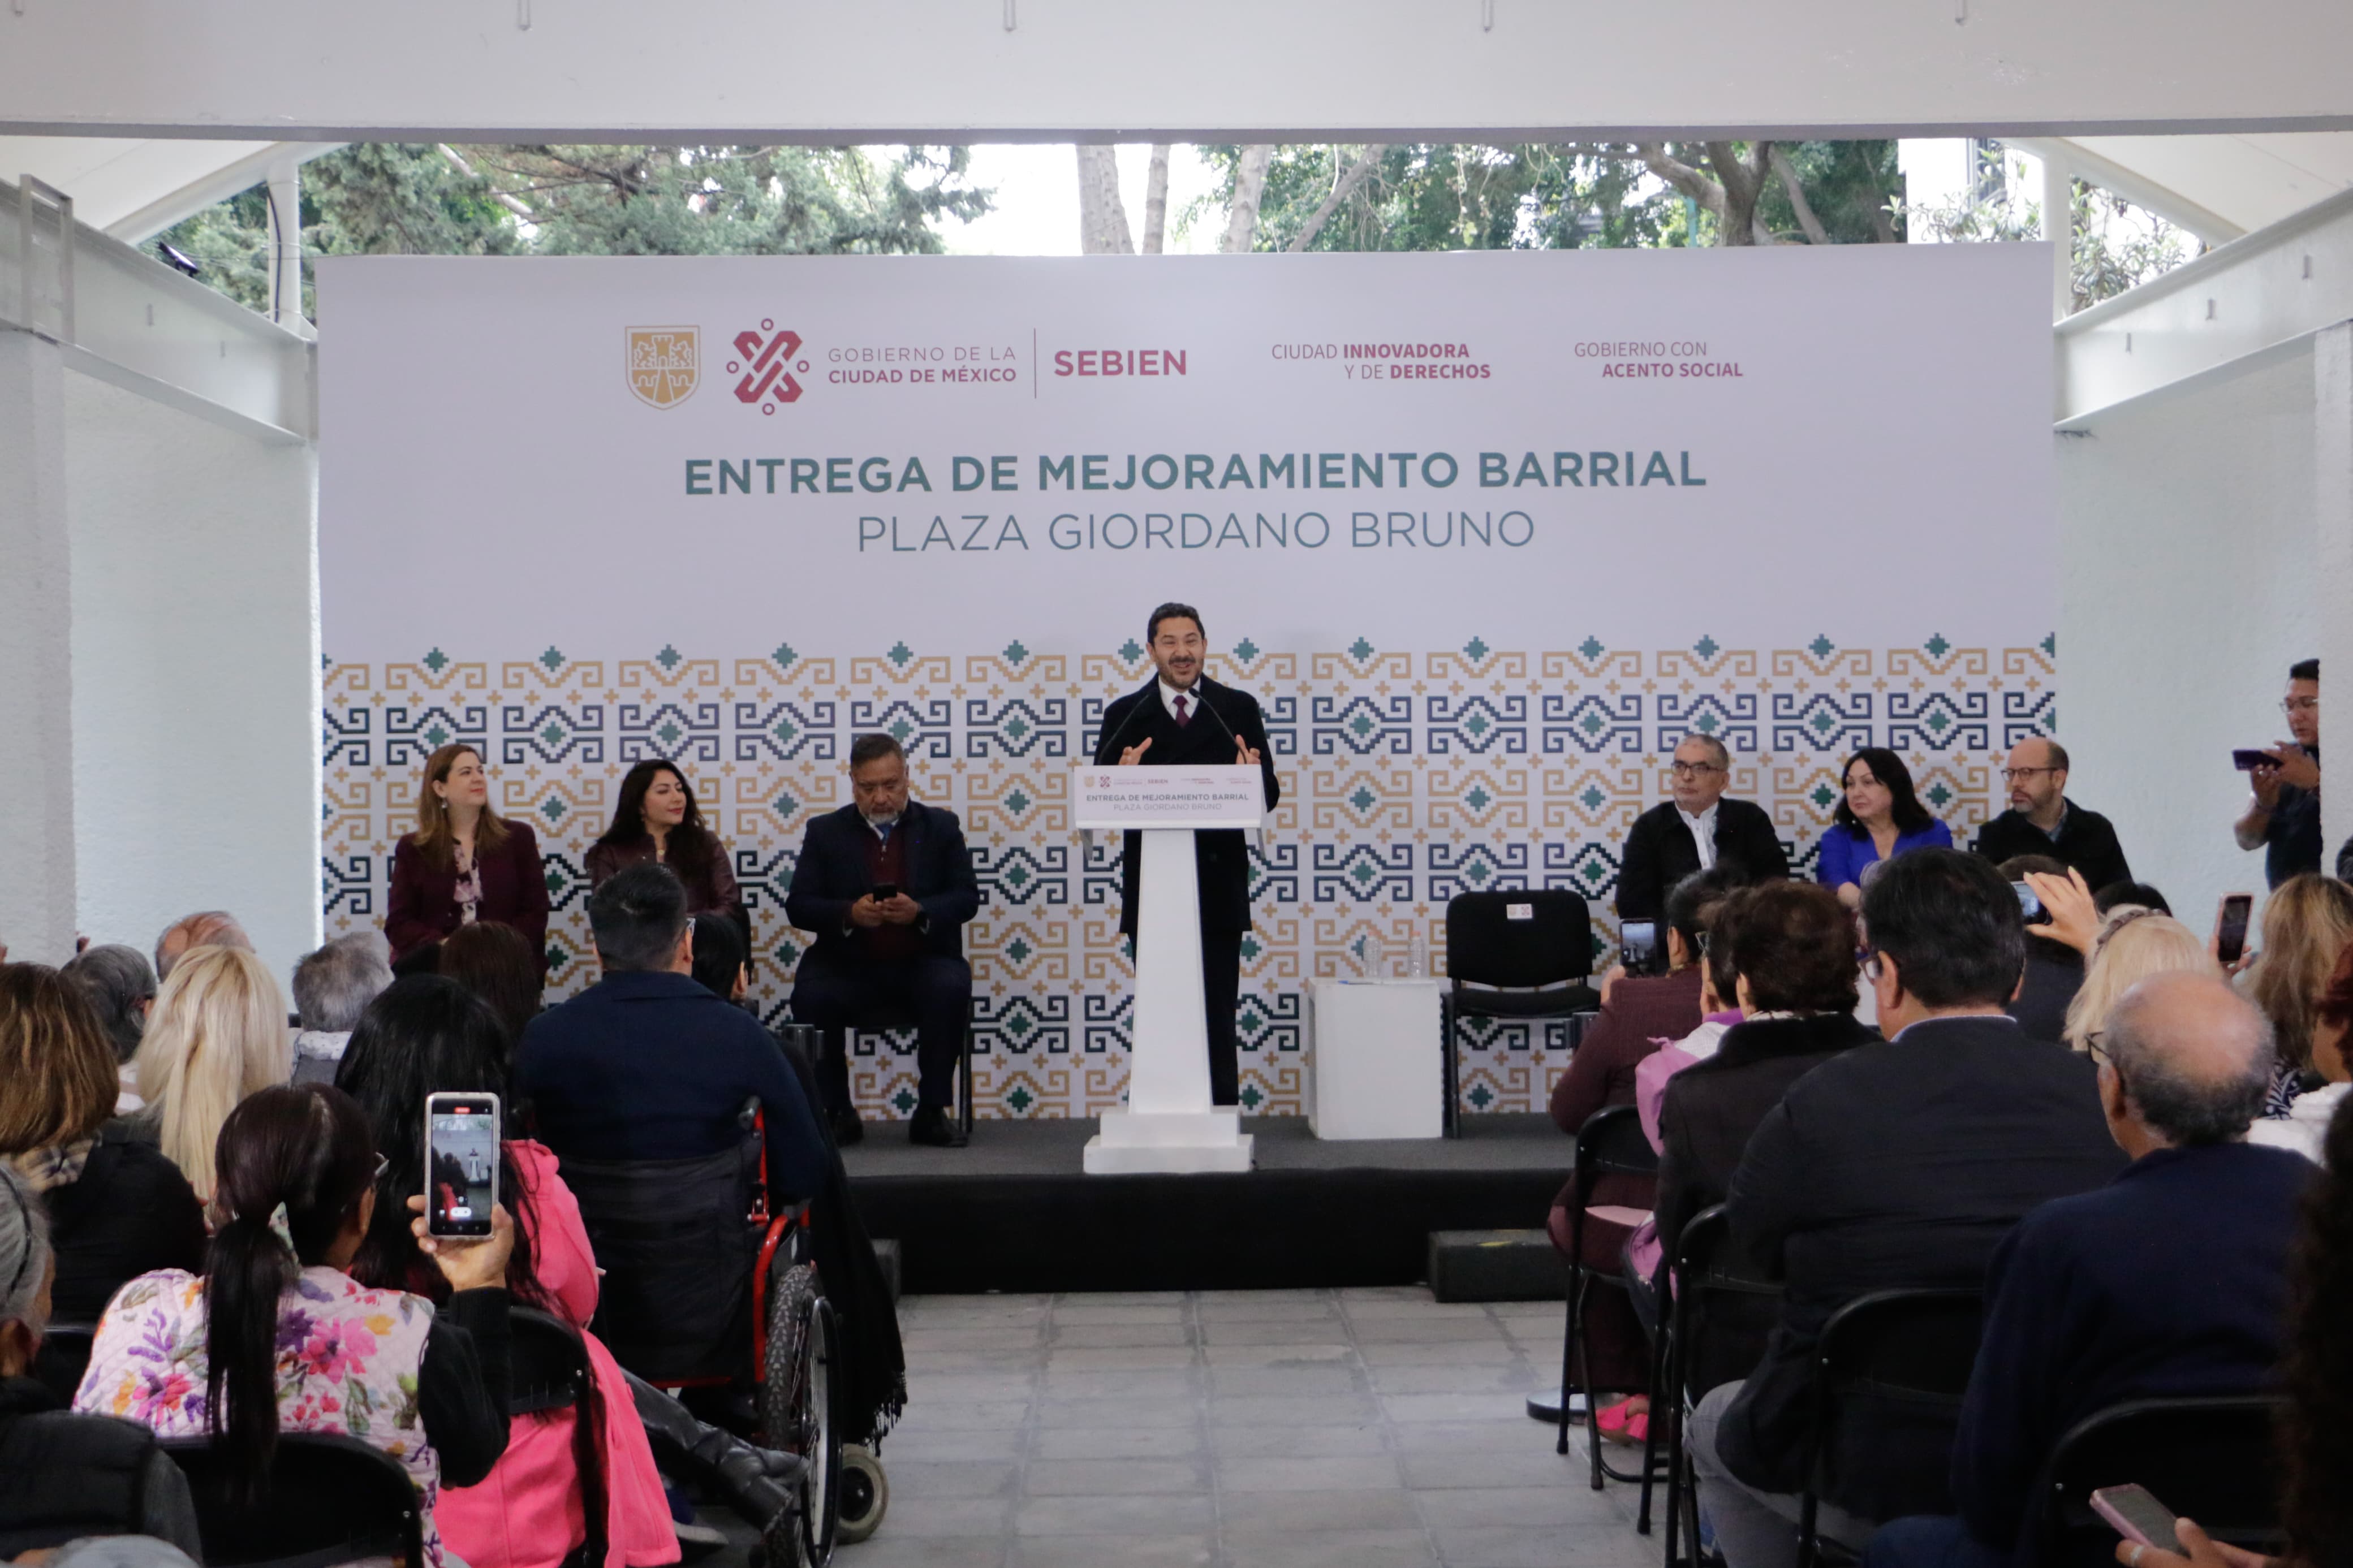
x,y
1815,232
1683,176
1249,186
1341,192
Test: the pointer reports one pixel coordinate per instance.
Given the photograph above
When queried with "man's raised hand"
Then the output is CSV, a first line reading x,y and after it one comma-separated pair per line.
x,y
1243,757
1134,754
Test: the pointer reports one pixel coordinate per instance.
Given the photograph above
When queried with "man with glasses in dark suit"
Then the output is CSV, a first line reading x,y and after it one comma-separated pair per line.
x,y
1697,830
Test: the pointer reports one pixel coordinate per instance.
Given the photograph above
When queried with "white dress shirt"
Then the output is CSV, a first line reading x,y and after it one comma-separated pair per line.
x,y
1703,832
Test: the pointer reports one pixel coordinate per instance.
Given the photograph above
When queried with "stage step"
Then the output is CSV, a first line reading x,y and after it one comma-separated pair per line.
x,y
1496,1266
886,1253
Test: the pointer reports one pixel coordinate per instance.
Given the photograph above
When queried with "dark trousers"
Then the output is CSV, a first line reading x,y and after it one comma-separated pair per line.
x,y
1222,986
836,995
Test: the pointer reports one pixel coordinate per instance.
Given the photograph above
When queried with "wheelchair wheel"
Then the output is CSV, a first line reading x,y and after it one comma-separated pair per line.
x,y
865,1493
797,1414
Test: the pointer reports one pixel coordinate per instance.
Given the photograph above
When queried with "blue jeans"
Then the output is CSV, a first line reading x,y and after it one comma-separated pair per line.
x,y
1930,1540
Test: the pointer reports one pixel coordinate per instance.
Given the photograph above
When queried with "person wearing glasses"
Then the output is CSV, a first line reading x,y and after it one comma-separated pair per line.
x,y
1697,830
2041,820
2283,817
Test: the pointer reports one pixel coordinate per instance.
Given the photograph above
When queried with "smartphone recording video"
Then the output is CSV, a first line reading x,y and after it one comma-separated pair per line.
x,y
1638,946
2231,929
2030,904
461,1163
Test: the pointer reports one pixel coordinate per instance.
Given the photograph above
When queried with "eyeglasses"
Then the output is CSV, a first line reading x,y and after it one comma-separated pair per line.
x,y
2300,705
2091,1046
1871,967
383,1163
1693,770
2012,776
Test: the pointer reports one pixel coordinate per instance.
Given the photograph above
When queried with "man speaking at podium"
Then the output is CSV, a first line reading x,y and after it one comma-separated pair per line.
x,y
1185,719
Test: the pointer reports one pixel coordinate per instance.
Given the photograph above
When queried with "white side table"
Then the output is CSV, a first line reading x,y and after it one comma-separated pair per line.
x,y
1374,1068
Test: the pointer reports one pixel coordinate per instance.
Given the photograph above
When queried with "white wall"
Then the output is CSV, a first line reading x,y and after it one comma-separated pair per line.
x,y
196,673
2188,586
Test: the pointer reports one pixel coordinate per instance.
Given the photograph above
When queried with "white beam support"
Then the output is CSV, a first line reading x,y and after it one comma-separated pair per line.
x,y
286,247
2332,455
1220,70
145,328
2058,229
36,831
2257,298
2096,168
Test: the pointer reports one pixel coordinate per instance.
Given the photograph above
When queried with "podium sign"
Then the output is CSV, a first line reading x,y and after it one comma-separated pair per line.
x,y
1169,1124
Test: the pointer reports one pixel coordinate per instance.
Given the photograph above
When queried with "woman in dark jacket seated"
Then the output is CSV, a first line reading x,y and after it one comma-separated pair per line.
x,y
117,1207
1793,948
62,1476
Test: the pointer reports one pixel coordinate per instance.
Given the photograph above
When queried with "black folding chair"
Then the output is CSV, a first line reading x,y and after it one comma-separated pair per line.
x,y
1514,953
898,1015
1908,1354
332,1500
63,1357
2211,1460
1700,1289
551,1373
1611,1142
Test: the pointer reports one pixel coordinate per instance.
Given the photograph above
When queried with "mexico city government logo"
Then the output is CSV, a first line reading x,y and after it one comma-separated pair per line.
x,y
664,362
766,366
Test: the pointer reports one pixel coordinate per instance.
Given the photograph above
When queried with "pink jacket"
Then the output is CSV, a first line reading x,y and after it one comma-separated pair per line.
x,y
528,1514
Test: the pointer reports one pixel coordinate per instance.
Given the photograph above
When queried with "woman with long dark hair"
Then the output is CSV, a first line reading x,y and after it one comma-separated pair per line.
x,y
1879,816
428,1034
464,863
275,1336
657,818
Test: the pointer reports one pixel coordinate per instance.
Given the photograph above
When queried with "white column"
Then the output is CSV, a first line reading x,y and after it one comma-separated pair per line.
x,y
286,246
2058,229
37,829
2332,464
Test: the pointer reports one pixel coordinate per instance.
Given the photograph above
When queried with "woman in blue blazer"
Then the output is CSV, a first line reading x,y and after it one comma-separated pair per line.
x,y
1879,817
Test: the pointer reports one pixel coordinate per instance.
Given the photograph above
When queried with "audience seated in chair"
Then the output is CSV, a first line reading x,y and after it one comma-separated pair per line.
x,y
331,987
1792,955
2134,945
2308,923
426,1036
207,928
2304,1129
648,1065
217,1034
1891,1165
2170,1282
65,1477
120,984
1639,1014
117,1208
198,1356
497,963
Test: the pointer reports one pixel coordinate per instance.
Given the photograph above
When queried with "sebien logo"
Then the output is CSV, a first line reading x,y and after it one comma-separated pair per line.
x,y
766,366
1119,362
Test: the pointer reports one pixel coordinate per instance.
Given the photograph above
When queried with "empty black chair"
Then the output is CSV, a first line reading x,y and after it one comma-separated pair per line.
x,y
1904,1357
332,1500
2210,1459
551,1373
63,1357
1609,1144
1711,1307
1513,953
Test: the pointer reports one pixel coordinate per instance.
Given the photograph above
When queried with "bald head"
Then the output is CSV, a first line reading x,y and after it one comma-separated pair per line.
x,y
2193,1058
210,928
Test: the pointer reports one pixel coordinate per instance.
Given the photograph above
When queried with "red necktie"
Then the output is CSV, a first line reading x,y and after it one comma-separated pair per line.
x,y
1183,717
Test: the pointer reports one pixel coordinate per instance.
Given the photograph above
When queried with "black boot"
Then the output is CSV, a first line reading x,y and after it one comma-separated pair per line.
x,y
759,1481
931,1125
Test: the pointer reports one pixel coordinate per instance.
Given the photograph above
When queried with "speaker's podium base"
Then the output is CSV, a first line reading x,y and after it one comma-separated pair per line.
x,y
1183,1144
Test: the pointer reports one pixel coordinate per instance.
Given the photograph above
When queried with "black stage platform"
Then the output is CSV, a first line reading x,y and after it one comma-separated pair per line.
x,y
1014,1212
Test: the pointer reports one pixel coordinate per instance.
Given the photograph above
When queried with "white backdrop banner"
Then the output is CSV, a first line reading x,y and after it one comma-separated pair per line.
x,y
1485,533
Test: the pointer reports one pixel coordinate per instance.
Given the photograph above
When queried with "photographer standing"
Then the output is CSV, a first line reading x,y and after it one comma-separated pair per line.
x,y
2284,815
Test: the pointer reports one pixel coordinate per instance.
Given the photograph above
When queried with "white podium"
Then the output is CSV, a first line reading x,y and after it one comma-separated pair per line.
x,y
1169,1125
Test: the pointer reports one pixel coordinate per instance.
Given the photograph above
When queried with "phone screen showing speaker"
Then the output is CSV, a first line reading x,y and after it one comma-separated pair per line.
x,y
461,1163
1641,944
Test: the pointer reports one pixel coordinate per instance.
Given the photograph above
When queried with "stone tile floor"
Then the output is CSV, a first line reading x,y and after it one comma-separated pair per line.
x,y
1359,1428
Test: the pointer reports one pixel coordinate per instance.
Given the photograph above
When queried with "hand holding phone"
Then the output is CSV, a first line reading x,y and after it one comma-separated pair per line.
x,y
1640,946
883,892
2138,1516
2247,759
461,1165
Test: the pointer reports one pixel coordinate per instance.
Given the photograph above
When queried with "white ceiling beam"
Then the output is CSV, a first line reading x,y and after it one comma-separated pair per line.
x,y
876,71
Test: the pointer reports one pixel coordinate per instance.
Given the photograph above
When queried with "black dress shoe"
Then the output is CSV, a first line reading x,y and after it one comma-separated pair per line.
x,y
931,1126
847,1130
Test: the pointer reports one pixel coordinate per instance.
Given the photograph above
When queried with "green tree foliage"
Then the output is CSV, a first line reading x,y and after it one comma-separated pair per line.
x,y
1544,196
383,198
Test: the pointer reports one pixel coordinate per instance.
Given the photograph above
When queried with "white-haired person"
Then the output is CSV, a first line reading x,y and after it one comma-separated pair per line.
x,y
70,1476
217,1035
332,988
